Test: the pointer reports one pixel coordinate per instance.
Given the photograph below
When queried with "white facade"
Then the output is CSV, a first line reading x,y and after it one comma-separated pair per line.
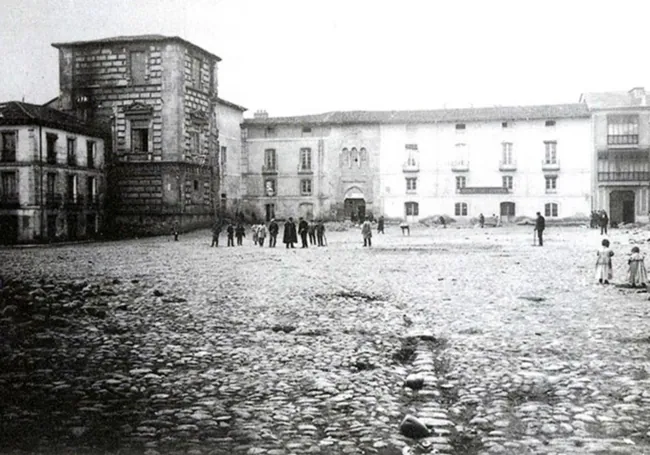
x,y
231,157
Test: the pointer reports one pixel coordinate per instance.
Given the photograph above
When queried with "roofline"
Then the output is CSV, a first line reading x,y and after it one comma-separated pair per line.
x,y
233,105
133,39
34,119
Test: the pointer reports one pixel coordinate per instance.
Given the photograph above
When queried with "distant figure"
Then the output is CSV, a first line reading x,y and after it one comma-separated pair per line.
x,y
320,233
637,275
604,263
604,221
366,232
240,233
273,233
594,222
443,222
216,231
230,230
405,228
175,232
312,233
254,230
540,225
289,235
481,220
261,234
303,230
380,224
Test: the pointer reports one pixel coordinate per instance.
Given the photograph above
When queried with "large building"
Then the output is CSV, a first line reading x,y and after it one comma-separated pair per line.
x,y
509,161
231,158
51,175
621,135
156,98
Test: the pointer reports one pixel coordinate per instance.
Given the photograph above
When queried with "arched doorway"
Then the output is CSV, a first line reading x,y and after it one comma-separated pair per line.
x,y
354,204
621,206
507,212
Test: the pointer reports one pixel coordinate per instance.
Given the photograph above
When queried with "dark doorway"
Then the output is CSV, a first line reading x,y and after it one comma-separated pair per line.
x,y
72,227
355,209
621,207
270,212
508,212
51,227
8,229
91,225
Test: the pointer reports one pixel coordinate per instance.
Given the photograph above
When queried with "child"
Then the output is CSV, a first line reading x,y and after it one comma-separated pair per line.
x,y
637,276
604,263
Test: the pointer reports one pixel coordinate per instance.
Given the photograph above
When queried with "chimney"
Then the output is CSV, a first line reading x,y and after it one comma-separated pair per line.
x,y
638,93
261,114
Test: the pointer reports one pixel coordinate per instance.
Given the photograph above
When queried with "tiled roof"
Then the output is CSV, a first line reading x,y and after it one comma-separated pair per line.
x,y
17,113
512,113
133,39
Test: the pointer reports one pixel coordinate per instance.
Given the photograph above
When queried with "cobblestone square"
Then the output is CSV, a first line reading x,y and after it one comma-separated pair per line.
x,y
154,346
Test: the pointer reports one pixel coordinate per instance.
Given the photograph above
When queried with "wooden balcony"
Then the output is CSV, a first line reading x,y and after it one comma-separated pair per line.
x,y
625,176
460,166
550,165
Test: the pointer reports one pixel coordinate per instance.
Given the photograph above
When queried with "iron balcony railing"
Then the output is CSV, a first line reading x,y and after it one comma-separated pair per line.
x,y
625,176
482,190
269,169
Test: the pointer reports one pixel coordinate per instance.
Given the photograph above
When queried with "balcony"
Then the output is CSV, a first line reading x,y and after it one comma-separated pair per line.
x,y
627,154
411,166
627,176
507,165
550,165
482,190
9,201
460,166
53,200
269,170
305,170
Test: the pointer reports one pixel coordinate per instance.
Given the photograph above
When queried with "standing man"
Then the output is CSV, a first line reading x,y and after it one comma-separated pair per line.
x,y
312,232
231,234
380,224
303,230
273,233
289,236
216,230
540,225
604,221
481,220
261,234
320,233
366,232
240,233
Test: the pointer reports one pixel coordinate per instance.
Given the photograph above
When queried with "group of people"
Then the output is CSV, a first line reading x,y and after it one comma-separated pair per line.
x,y
637,275
599,219
310,233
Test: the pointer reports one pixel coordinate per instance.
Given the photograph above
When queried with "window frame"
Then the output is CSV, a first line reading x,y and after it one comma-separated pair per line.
x,y
507,181
623,132
550,188
138,128
551,210
50,183
270,153
196,69
413,207
135,75
90,153
9,183
550,152
274,186
50,141
507,152
305,159
304,183
411,184
71,151
460,209
461,182
8,155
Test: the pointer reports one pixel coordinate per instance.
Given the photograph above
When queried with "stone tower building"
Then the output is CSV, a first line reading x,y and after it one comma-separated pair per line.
x,y
155,97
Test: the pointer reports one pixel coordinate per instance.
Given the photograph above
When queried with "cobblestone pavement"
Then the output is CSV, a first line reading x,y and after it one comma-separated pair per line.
x,y
151,346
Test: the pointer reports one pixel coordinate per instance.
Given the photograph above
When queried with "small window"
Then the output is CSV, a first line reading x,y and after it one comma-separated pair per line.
x,y
461,182
460,127
507,181
9,184
51,147
550,209
550,152
269,160
72,188
195,143
460,209
269,187
504,124
90,154
139,139
305,159
138,67
51,183
411,184
506,153
549,123
306,129
196,185
8,146
196,73
92,188
305,187
551,183
412,209
72,151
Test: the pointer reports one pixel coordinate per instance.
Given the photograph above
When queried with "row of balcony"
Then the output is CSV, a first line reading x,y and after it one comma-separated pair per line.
x,y
272,170
463,166
53,201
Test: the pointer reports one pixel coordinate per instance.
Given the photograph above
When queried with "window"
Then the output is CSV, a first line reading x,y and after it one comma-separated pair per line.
x,y
9,184
345,158
72,151
460,209
550,152
504,124
196,185
51,183
506,181
139,137
412,208
551,183
305,159
270,211
549,123
506,153
363,157
305,187
269,187
354,157
92,188
138,67
550,209
269,159
8,146
72,188
622,129
223,158
196,73
460,127
90,154
51,147
461,182
195,143
411,184
306,130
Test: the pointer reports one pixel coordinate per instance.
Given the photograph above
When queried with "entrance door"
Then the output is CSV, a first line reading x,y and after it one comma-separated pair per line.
x,y
8,229
621,207
355,209
507,212
270,212
51,227
72,227
91,225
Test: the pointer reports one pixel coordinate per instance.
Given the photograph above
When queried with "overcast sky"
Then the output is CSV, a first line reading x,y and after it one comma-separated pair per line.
x,y
310,56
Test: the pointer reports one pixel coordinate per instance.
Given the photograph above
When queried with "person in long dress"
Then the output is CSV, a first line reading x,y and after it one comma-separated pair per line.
x,y
637,276
604,263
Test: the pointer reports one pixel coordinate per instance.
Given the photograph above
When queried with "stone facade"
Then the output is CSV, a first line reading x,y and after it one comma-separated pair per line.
x,y
52,182
409,165
231,157
155,97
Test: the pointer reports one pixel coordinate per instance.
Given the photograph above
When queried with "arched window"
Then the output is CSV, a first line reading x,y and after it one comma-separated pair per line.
x,y
363,156
460,209
354,157
550,209
345,157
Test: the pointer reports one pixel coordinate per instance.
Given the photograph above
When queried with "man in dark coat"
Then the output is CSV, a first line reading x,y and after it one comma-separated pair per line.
x,y
231,234
273,233
312,233
604,220
320,233
380,224
303,230
216,231
289,234
481,220
240,233
540,225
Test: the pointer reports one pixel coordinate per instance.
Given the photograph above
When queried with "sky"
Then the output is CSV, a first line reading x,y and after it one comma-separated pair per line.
x,y
296,57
